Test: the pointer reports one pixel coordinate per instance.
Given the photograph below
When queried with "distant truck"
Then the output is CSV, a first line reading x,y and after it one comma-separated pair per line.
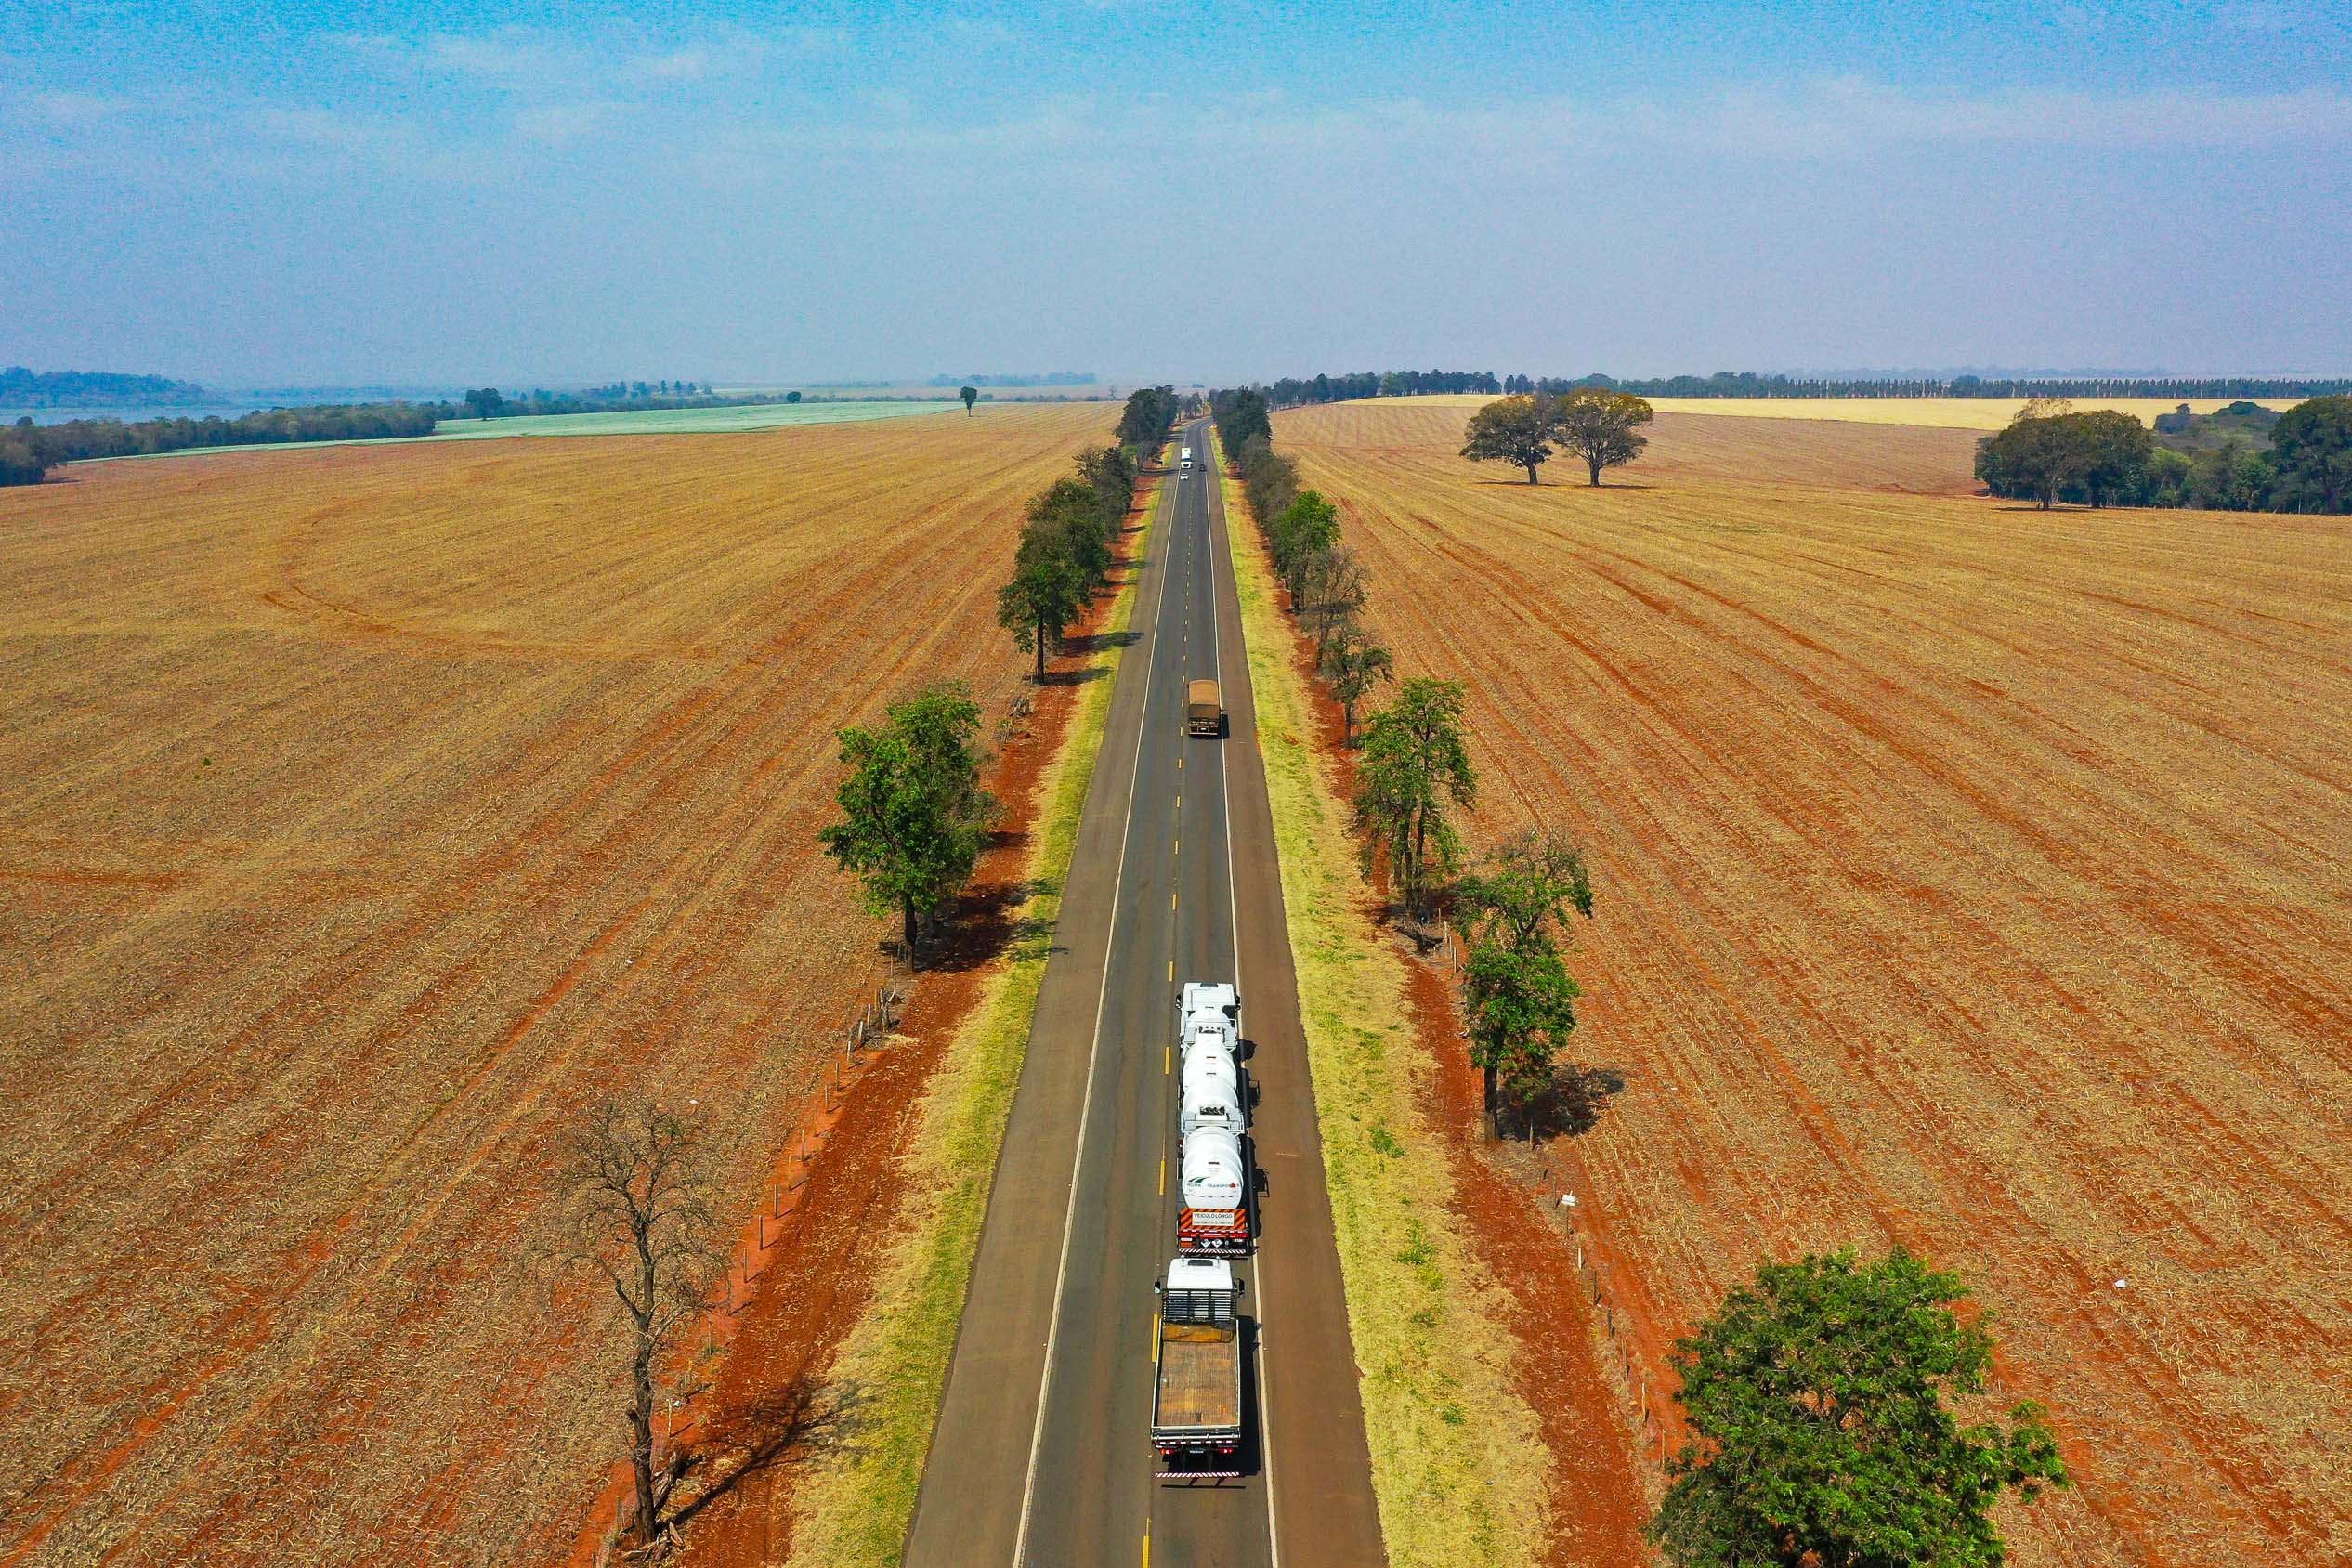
x,y
1196,1385
1204,710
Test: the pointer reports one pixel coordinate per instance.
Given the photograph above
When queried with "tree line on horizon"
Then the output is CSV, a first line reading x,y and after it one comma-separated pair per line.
x,y
1296,391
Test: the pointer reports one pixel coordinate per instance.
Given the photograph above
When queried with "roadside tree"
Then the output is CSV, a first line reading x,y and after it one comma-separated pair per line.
x,y
1518,998
1514,430
1600,426
1415,764
913,814
638,1208
1308,525
1335,590
1519,1007
1045,595
1820,1404
1355,665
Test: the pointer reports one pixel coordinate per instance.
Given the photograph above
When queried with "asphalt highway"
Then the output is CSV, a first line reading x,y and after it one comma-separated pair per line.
x,y
1042,1455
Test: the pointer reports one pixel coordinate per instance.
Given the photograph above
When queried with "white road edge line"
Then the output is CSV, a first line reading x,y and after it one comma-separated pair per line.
x,y
1211,510
1086,1106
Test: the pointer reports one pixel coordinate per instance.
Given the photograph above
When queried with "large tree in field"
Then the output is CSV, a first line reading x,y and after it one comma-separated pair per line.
x,y
1514,430
913,813
2312,445
638,1208
1600,426
1823,1431
2043,452
1415,764
970,394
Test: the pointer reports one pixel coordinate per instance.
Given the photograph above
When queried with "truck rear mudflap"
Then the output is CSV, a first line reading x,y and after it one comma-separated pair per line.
x,y
1217,1459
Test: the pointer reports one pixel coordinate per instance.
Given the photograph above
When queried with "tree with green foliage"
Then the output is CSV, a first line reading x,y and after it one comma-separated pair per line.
x,y
486,403
1600,426
1519,1006
1822,1435
1355,665
1150,414
2041,453
1308,525
1514,430
1044,597
2116,448
970,394
1111,473
2312,447
792,397
913,813
1518,998
1071,511
1415,764
1242,416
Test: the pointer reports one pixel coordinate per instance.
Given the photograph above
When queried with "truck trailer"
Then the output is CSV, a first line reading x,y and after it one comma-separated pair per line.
x,y
1204,710
1196,1367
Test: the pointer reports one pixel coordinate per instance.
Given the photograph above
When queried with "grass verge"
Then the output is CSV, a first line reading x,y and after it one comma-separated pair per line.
x,y
855,1506
1457,1459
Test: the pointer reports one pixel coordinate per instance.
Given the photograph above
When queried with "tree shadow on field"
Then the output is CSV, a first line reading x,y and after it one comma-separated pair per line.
x,y
782,1429
1569,1108
1074,677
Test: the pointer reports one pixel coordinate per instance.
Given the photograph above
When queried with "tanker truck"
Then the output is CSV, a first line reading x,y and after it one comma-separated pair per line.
x,y
1214,1184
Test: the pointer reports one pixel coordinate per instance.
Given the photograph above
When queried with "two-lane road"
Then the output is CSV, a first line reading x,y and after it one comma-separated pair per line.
x,y
1041,1456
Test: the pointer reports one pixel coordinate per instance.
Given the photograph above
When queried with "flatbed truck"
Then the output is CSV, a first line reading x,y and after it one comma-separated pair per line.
x,y
1196,1363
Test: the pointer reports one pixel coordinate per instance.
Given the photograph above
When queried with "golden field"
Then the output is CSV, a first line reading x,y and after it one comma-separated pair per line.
x,y
363,812
1968,877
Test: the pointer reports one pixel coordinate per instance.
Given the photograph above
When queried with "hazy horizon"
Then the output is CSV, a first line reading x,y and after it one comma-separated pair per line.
x,y
251,196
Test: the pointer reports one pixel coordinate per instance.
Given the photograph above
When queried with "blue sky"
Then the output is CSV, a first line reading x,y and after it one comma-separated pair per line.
x,y
277,193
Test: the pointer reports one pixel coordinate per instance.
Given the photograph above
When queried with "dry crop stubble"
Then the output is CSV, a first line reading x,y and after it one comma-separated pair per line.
x,y
1969,877
363,812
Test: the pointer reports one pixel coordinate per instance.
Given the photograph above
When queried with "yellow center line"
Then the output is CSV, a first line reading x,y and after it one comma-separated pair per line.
x,y
1155,1339
1171,900
1163,1175
1147,1549
1171,968
1167,1052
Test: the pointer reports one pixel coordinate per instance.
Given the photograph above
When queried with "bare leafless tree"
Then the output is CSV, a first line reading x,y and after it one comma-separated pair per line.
x,y
1335,592
638,1208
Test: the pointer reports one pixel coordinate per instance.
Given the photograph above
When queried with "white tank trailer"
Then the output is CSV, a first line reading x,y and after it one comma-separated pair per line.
x,y
1214,1187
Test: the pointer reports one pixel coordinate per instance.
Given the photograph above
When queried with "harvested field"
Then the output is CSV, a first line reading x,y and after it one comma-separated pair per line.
x,y
1968,877
365,811
1955,414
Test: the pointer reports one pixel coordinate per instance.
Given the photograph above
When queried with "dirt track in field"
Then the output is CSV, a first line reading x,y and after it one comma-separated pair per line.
x,y
1968,876
362,811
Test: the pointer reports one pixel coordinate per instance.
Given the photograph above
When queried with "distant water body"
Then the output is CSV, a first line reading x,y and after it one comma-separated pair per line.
x,y
134,413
